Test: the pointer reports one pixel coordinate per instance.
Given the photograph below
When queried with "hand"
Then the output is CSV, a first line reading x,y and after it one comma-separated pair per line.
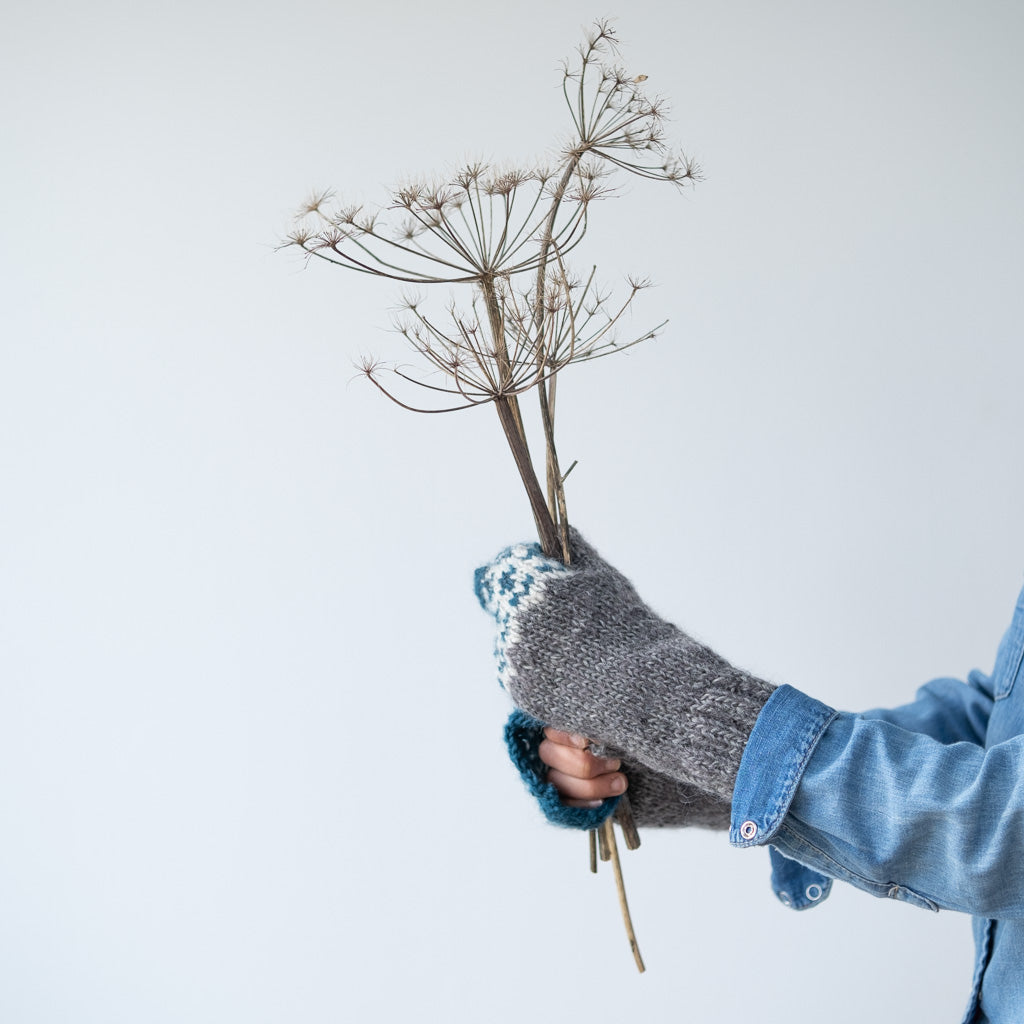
x,y
568,780
581,777
578,650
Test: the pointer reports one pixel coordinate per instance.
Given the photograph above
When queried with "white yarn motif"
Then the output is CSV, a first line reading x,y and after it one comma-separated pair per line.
x,y
513,582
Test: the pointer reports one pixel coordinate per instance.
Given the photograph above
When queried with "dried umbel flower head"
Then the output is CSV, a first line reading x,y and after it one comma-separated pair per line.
x,y
481,223
614,119
507,233
494,227
461,359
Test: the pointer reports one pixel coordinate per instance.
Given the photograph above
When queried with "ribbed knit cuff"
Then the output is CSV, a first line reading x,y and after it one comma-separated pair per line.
x,y
523,736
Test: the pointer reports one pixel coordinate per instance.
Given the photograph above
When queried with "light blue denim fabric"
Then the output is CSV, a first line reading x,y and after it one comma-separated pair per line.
x,y
922,803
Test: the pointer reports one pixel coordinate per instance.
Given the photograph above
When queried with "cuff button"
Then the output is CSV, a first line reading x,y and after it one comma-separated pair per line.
x,y
748,830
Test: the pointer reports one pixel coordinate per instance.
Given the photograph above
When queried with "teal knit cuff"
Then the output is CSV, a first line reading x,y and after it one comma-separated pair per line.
x,y
523,736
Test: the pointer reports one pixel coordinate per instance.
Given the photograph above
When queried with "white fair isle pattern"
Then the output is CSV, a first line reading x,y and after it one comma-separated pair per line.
x,y
513,582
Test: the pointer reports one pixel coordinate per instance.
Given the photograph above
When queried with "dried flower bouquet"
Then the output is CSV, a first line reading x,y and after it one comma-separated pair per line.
x,y
507,235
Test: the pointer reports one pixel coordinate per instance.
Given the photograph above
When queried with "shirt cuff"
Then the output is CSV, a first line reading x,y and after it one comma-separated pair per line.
x,y
774,760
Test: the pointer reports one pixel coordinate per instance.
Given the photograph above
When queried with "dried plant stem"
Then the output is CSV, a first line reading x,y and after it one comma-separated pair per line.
x,y
624,817
552,522
512,424
609,830
549,228
555,545
546,390
550,515
556,492
501,349
546,530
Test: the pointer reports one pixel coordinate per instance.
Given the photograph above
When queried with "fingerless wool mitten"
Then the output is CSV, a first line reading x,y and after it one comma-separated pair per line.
x,y
579,650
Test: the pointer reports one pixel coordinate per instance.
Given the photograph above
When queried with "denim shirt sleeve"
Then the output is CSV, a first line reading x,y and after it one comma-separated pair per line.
x,y
893,811
948,710
774,760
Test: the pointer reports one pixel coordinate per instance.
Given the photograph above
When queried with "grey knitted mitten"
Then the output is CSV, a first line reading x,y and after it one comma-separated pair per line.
x,y
579,650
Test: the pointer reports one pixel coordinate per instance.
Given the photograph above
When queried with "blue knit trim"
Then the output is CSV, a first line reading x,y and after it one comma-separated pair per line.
x,y
523,735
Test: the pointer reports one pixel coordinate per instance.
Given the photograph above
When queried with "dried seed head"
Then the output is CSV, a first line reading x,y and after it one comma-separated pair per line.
x,y
314,202
346,215
300,235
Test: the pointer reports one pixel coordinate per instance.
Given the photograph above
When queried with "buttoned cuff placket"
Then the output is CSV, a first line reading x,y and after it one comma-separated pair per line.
x,y
774,760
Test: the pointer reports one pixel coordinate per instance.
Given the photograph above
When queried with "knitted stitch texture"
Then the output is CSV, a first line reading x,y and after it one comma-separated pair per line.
x,y
579,650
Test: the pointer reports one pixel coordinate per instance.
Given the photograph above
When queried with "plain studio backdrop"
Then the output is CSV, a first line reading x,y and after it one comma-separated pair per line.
x,y
250,756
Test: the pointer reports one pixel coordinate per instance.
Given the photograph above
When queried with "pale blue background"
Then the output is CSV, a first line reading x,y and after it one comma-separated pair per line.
x,y
249,757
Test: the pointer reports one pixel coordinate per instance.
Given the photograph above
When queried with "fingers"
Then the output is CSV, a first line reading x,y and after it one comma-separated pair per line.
x,y
586,792
572,759
566,739
581,778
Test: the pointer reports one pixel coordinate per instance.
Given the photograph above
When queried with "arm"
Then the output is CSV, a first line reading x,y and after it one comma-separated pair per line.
x,y
894,812
947,710
918,803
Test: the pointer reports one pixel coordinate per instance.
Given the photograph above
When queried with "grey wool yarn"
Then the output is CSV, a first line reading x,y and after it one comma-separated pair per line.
x,y
660,802
579,650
